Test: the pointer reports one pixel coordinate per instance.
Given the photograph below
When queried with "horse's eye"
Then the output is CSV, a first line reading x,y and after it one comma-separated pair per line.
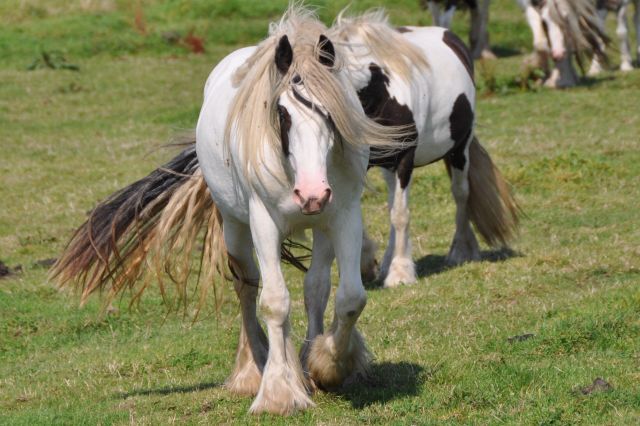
x,y
296,79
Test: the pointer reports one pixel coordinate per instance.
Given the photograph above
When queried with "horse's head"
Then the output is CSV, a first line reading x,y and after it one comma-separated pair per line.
x,y
307,132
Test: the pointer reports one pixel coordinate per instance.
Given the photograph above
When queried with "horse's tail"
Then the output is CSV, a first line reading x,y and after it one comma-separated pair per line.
x,y
492,207
154,224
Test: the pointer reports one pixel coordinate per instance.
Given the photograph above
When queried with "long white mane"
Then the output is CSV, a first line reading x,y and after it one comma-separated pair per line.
x,y
385,43
252,123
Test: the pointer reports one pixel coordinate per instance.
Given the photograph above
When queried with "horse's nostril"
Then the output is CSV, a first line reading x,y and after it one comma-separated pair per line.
x,y
327,194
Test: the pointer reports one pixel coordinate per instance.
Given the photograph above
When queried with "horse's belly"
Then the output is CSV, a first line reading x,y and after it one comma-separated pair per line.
x,y
432,147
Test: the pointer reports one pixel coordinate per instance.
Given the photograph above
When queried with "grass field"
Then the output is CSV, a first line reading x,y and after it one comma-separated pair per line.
x,y
445,347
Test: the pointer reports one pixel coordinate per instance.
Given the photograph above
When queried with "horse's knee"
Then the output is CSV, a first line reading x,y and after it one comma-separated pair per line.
x,y
274,305
460,188
350,304
400,217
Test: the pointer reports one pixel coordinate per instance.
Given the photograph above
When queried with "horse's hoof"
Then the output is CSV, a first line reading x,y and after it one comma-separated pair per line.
x,y
401,271
282,391
626,67
330,367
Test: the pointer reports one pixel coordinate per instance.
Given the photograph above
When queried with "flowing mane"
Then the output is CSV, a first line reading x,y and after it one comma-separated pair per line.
x,y
252,120
385,44
579,23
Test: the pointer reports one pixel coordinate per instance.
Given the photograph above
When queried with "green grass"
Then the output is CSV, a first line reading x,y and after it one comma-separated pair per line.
x,y
442,347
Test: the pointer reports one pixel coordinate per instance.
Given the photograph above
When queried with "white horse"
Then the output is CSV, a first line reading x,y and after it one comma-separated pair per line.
x,y
620,8
423,78
564,30
282,142
442,12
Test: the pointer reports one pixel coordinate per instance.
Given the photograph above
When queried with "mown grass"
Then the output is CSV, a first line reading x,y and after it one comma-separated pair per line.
x,y
443,348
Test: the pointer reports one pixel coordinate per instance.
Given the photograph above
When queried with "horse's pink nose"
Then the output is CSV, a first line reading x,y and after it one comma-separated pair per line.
x,y
312,202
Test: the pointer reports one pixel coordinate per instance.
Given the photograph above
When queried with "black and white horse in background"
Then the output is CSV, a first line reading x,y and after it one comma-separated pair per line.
x,y
564,30
621,9
442,12
423,77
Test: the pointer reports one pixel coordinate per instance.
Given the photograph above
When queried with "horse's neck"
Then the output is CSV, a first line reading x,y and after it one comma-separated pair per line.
x,y
359,61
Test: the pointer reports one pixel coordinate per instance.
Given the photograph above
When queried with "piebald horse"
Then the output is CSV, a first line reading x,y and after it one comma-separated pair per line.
x,y
282,142
564,29
620,8
422,77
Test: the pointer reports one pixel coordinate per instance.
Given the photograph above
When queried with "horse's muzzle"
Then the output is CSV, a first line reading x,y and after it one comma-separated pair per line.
x,y
312,204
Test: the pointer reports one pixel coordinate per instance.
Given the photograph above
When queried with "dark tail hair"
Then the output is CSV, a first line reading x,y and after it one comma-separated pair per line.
x,y
155,221
492,207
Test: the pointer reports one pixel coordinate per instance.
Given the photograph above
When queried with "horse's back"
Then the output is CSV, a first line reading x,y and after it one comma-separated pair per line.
x,y
447,87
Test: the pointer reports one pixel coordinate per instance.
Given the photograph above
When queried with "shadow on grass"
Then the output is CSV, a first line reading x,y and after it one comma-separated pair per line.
x,y
504,51
587,81
387,381
170,390
433,264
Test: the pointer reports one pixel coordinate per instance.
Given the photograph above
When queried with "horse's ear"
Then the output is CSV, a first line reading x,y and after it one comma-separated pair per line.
x,y
327,56
284,55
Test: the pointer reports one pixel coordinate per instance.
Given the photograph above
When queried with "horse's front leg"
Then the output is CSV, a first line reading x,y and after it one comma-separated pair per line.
x,y
397,264
341,352
252,346
282,390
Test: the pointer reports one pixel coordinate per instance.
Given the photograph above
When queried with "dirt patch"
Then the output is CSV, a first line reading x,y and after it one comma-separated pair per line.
x,y
46,263
520,338
598,385
4,270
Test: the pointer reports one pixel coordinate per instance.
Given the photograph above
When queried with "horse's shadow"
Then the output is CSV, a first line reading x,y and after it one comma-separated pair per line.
x,y
168,390
505,51
387,381
433,264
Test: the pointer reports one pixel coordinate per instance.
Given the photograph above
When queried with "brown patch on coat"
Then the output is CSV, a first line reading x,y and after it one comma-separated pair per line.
x,y
461,127
403,30
285,126
386,110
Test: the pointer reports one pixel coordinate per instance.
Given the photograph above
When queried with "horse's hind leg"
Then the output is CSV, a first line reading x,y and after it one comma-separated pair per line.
x,y
341,353
464,247
397,265
368,262
479,32
596,66
622,31
636,22
252,347
317,287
